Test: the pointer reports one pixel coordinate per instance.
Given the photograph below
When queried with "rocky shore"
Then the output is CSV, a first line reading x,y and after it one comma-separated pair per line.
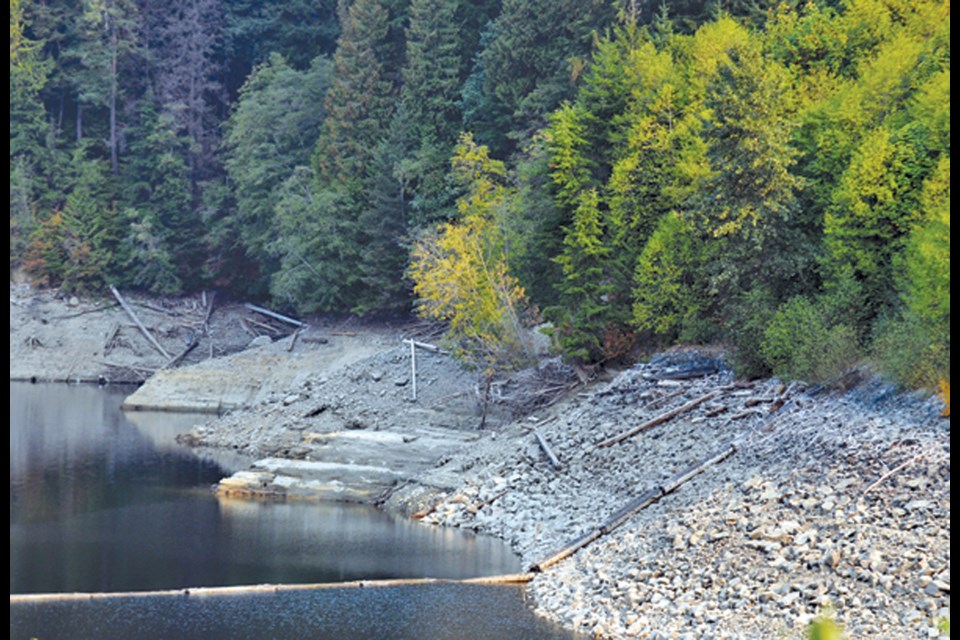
x,y
832,499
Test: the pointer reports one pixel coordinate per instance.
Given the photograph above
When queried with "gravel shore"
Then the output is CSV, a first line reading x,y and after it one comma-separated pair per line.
x,y
832,500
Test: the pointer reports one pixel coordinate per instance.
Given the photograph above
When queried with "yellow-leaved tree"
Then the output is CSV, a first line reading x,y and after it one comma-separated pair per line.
x,y
460,269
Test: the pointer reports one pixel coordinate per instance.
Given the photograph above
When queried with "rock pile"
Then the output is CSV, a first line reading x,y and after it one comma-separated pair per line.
x,y
833,500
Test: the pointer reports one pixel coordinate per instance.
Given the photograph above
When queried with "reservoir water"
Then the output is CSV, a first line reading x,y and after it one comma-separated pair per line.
x,y
102,501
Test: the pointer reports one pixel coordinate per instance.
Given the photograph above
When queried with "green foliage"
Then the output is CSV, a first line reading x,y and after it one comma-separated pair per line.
x,y
824,628
316,247
750,313
149,263
800,343
358,104
666,295
273,128
531,54
915,345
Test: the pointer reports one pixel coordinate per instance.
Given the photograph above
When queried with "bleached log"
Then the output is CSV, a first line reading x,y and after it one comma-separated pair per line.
x,y
274,314
27,598
293,339
136,320
554,460
658,420
427,347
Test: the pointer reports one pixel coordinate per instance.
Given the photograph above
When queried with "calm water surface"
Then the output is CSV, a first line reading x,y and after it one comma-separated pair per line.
x,y
103,501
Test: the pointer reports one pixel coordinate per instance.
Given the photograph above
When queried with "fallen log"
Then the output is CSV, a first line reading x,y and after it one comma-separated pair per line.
x,y
264,325
293,339
274,314
136,320
554,460
26,598
425,346
658,420
566,551
194,341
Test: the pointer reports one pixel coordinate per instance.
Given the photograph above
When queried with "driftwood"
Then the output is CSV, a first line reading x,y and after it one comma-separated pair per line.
x,y
25,598
194,341
480,505
315,339
80,313
347,334
274,315
892,472
136,320
111,339
152,307
658,420
746,413
425,346
716,411
293,339
554,460
264,325
246,327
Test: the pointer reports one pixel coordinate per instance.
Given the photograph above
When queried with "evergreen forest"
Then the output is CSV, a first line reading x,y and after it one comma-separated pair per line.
x,y
773,177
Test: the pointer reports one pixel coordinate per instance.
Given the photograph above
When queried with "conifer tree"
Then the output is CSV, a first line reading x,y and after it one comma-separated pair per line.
x,y
358,102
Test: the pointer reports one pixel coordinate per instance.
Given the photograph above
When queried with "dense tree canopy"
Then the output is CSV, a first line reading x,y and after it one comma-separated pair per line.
x,y
773,177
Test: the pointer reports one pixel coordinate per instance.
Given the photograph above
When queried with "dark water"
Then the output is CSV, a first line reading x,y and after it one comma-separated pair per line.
x,y
101,501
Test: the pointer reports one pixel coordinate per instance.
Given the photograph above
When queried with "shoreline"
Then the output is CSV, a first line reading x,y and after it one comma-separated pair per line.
x,y
802,517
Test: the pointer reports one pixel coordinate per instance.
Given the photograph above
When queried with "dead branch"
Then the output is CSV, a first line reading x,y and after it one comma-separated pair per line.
x,y
111,339
80,313
892,472
263,325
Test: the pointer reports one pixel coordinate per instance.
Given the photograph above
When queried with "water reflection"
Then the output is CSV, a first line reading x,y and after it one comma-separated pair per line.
x,y
99,502
102,502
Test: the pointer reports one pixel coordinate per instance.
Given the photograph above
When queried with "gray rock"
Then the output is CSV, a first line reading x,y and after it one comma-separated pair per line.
x,y
259,341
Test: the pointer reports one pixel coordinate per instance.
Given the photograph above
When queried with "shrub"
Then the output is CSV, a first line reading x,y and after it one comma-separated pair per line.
x,y
801,343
